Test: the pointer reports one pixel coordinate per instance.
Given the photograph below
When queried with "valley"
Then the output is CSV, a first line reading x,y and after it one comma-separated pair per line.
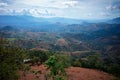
x,y
93,45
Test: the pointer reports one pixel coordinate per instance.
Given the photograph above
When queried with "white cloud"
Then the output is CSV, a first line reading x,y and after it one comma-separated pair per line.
x,y
3,4
47,3
70,3
61,8
104,14
113,7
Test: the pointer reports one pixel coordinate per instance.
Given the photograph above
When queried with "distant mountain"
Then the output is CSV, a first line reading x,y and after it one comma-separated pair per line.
x,y
19,20
38,21
35,21
56,24
8,29
115,21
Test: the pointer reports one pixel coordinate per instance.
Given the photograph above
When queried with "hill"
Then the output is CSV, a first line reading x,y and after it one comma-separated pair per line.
x,y
35,21
115,21
74,73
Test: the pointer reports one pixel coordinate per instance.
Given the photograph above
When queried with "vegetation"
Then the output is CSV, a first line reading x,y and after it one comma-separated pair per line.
x,y
38,56
96,62
57,64
11,60
81,46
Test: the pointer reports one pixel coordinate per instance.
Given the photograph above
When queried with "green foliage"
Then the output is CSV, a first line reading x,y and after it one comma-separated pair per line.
x,y
93,61
56,64
114,69
76,63
11,60
63,59
39,56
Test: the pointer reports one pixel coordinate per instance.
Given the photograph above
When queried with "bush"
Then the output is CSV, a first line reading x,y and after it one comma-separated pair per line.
x,y
38,56
76,63
114,69
56,64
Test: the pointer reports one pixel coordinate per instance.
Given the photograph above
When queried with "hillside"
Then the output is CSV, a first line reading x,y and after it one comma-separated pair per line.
x,y
74,73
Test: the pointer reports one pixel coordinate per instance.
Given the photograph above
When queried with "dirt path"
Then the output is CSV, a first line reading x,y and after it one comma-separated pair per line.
x,y
74,73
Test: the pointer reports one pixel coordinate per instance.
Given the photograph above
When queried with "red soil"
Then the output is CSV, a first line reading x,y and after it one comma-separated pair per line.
x,y
74,73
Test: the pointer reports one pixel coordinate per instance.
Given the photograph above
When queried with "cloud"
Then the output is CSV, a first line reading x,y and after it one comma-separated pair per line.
x,y
104,14
3,4
40,12
89,14
113,7
7,1
70,3
88,9
26,11
6,11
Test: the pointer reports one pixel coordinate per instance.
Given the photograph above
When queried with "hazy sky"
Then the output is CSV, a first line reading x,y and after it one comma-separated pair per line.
x,y
81,9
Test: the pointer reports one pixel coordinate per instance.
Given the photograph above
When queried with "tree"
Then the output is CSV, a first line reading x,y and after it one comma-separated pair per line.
x,y
38,56
77,63
10,60
56,64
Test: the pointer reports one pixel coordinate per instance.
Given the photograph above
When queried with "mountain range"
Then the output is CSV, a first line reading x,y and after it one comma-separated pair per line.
x,y
37,21
56,24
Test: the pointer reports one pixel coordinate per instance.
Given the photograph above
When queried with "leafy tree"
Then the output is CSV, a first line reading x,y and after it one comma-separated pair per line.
x,y
114,69
56,64
10,60
76,63
93,61
38,56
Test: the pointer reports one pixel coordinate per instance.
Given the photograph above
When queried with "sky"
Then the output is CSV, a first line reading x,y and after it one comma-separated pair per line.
x,y
78,9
